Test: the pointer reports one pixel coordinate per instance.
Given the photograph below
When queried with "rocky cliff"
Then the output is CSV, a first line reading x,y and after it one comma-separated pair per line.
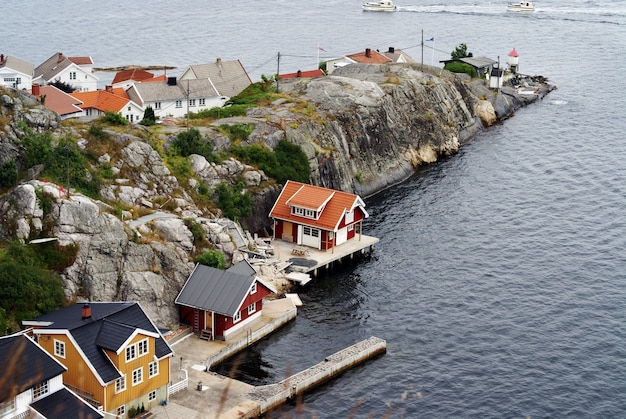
x,y
363,129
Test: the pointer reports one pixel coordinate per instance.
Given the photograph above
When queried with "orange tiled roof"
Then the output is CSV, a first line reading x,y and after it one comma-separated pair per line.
x,y
81,60
57,100
136,74
161,78
333,204
309,73
112,100
369,56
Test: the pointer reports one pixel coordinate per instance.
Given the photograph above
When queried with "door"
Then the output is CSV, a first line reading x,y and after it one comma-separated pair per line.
x,y
311,237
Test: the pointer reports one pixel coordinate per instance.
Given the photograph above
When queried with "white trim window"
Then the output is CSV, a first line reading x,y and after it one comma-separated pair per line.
x,y
157,105
138,376
179,103
153,369
72,75
192,102
142,347
121,411
120,384
59,348
237,317
252,308
202,101
41,390
152,395
253,288
131,353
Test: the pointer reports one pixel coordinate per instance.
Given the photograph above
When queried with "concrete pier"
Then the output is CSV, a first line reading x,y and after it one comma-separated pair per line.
x,y
273,395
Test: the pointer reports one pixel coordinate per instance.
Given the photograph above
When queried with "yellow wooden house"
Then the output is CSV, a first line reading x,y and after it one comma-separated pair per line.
x,y
116,358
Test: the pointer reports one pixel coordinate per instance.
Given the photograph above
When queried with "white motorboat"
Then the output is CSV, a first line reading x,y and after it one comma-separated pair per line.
x,y
522,6
379,6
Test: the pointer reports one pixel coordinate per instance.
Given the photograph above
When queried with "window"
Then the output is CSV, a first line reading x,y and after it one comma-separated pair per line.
x,y
153,369
121,411
131,353
72,75
192,102
237,317
152,395
59,348
157,105
143,347
40,390
137,376
120,384
202,102
251,308
303,212
179,103
253,289
349,217
308,231
7,406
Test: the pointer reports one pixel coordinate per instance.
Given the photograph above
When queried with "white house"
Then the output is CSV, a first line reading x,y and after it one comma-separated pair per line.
x,y
16,73
32,384
176,98
75,71
95,103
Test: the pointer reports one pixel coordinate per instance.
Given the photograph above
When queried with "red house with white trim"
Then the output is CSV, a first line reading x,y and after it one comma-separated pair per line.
x,y
317,217
218,303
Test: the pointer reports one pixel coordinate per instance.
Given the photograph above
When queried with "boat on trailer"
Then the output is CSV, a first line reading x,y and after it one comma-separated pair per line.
x,y
522,6
379,6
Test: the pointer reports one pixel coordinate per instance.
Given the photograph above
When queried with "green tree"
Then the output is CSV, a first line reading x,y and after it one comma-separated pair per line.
x,y
460,52
28,288
192,142
233,201
212,258
8,174
149,118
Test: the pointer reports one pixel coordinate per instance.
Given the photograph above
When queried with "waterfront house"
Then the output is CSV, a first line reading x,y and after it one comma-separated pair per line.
x,y
398,56
58,101
229,78
32,384
15,73
368,56
95,103
302,74
74,71
176,98
317,217
220,303
116,358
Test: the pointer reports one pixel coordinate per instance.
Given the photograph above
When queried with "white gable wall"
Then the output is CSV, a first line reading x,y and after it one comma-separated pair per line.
x,y
15,79
179,108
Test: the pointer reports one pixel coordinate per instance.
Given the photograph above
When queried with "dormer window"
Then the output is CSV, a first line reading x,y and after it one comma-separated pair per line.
x,y
40,390
304,212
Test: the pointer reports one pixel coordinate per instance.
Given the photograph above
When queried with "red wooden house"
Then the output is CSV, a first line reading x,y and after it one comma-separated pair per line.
x,y
219,303
317,217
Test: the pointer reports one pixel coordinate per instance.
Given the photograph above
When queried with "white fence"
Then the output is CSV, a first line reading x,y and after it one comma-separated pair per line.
x,y
181,385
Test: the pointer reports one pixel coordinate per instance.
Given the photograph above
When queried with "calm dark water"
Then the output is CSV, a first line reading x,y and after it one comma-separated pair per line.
x,y
499,282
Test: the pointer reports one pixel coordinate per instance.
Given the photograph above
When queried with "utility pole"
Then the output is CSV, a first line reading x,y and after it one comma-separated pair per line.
x,y
187,122
422,50
67,158
278,72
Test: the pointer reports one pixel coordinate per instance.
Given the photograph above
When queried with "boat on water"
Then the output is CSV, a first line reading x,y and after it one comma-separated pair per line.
x,y
522,6
379,6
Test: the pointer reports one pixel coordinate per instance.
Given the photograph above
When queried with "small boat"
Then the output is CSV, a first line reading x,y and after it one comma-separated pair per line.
x,y
379,6
522,6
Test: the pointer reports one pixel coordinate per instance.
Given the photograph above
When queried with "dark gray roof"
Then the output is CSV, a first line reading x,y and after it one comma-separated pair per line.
x,y
228,77
65,404
24,364
215,290
117,318
183,89
478,62
243,268
52,66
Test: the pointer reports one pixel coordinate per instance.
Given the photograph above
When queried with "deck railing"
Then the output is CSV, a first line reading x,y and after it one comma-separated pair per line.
x,y
181,385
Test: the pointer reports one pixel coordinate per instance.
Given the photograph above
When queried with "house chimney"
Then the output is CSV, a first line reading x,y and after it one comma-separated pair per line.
x,y
392,50
35,90
109,88
60,57
299,73
86,311
218,62
368,52
1,58
171,81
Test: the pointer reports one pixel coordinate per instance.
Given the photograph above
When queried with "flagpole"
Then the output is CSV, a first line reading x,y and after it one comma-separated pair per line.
x,y
432,60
